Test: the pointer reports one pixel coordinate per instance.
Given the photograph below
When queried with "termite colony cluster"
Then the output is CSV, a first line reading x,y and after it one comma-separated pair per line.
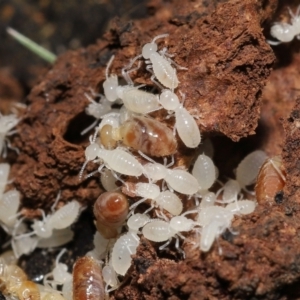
x,y
128,147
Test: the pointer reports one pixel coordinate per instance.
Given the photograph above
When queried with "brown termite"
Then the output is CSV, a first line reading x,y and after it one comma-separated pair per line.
x,y
110,210
142,134
87,280
270,180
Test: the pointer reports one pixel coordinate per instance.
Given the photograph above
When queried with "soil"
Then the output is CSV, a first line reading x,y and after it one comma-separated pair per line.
x,y
245,96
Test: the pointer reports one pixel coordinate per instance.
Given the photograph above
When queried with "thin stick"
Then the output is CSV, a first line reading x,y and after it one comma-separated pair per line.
x,y
31,45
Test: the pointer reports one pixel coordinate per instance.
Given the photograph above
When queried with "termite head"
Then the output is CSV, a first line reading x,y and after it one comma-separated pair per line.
x,y
106,137
110,85
148,49
91,151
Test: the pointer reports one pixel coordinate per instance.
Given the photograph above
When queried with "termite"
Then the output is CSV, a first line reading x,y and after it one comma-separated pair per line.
x,y
185,124
164,200
270,180
285,32
161,66
134,99
178,180
117,160
87,280
110,210
160,231
142,134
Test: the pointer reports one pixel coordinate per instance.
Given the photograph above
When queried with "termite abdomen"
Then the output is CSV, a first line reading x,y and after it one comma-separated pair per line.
x,y
87,280
270,180
149,136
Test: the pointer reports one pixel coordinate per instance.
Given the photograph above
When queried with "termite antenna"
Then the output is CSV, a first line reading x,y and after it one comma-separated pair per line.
x,y
91,174
82,169
160,37
59,256
108,66
127,69
56,201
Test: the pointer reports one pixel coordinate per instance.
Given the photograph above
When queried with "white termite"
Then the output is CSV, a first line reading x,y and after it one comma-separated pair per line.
x,y
7,123
214,221
59,274
248,168
285,32
158,230
118,160
160,64
9,205
209,213
25,243
138,101
178,180
137,221
170,202
204,171
231,191
242,207
185,124
164,200
210,232
121,162
134,99
4,172
111,83
124,247
60,219
110,278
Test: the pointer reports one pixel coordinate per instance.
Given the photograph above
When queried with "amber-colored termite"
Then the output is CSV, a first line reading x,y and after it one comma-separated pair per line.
x,y
110,210
87,280
147,135
270,179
